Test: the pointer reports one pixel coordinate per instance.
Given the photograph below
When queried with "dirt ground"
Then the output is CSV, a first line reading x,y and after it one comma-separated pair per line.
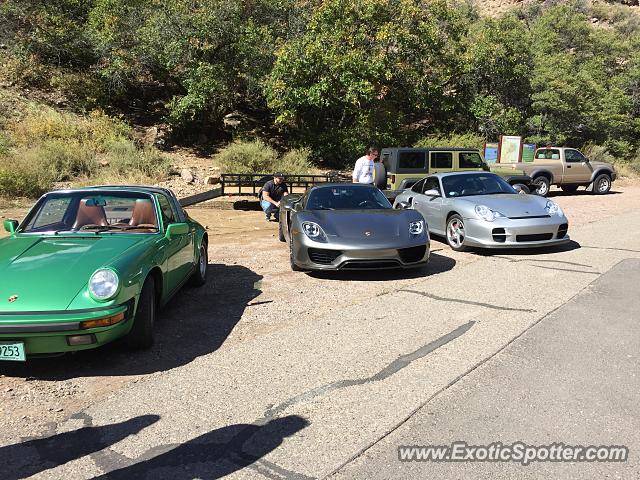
x,y
251,291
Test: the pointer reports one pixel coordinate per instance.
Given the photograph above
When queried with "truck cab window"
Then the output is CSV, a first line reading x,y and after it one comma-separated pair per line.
x,y
574,156
548,154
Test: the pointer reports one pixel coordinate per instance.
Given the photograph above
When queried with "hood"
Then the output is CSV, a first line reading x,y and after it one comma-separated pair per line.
x,y
516,205
46,273
596,165
382,225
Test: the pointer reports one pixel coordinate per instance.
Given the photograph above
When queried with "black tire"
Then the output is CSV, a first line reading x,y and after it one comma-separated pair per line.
x,y
379,175
569,188
542,184
141,335
199,276
292,262
602,184
457,246
281,232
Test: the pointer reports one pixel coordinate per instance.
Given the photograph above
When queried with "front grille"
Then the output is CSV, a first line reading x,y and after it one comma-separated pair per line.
x,y
530,216
534,237
499,235
562,230
412,254
369,265
323,256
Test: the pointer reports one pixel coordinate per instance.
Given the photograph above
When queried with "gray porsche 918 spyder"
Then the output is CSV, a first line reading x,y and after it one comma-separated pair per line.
x,y
480,209
351,226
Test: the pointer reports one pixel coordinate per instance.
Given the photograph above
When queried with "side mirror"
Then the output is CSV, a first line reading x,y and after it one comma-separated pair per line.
x,y
404,205
432,193
520,188
177,229
11,226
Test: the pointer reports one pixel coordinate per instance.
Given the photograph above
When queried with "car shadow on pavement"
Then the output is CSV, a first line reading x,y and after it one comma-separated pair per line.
x,y
492,252
195,322
578,193
489,252
437,264
215,454
33,456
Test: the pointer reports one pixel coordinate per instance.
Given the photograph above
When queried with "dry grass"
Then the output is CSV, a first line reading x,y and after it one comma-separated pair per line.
x,y
44,146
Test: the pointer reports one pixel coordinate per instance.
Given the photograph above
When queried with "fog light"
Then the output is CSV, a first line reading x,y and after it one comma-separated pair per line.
x,y
103,322
81,339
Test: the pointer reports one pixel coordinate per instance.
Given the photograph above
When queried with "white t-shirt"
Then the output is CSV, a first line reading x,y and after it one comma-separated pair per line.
x,y
363,171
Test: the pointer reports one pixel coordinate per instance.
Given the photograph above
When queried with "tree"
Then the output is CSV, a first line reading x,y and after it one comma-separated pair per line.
x,y
499,77
376,69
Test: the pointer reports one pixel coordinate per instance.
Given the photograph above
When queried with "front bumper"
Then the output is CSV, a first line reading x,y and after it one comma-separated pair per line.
x,y
312,255
48,332
516,233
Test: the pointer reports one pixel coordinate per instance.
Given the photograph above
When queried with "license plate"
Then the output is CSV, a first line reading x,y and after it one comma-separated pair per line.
x,y
13,351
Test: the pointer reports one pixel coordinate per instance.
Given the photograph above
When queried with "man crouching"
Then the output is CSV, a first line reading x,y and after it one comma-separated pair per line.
x,y
271,194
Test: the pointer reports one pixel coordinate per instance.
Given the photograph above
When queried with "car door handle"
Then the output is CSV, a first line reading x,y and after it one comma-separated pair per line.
x,y
568,166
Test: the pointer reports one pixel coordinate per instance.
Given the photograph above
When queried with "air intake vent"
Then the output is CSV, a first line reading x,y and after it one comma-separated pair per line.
x,y
499,235
370,265
534,237
413,254
562,230
323,256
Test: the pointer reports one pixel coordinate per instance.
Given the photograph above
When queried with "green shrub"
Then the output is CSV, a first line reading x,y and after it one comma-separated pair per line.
x,y
122,158
629,167
63,160
19,178
455,140
5,143
296,160
247,157
598,153
96,131
47,146
257,157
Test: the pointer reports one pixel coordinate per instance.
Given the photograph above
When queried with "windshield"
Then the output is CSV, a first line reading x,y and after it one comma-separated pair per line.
x,y
347,197
475,184
113,212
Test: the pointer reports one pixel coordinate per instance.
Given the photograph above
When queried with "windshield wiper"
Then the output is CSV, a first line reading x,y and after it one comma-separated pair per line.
x,y
99,228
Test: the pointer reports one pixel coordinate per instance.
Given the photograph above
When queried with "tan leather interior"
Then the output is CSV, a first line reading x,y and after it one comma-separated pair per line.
x,y
89,215
144,213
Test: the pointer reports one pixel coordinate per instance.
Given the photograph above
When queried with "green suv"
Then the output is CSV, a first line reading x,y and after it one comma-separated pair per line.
x,y
400,167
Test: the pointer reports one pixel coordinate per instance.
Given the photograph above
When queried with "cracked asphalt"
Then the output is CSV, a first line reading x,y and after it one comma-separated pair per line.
x,y
266,373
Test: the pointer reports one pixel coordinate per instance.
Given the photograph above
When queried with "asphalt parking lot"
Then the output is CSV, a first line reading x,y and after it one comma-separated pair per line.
x,y
269,373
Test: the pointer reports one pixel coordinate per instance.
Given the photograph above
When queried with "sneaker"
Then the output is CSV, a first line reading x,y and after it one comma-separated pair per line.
x,y
267,218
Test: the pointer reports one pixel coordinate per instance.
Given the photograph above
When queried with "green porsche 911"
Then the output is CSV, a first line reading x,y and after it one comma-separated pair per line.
x,y
91,265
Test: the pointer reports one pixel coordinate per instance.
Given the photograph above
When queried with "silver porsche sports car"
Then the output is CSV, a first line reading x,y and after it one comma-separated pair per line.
x,y
480,209
351,226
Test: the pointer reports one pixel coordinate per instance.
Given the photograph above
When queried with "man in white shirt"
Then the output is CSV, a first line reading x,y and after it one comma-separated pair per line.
x,y
363,171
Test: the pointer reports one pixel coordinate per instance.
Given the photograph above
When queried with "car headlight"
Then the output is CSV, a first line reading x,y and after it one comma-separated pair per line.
x,y
416,228
314,231
553,208
486,213
103,284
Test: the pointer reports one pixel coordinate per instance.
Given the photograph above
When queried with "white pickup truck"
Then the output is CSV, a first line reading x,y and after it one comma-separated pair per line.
x,y
568,168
